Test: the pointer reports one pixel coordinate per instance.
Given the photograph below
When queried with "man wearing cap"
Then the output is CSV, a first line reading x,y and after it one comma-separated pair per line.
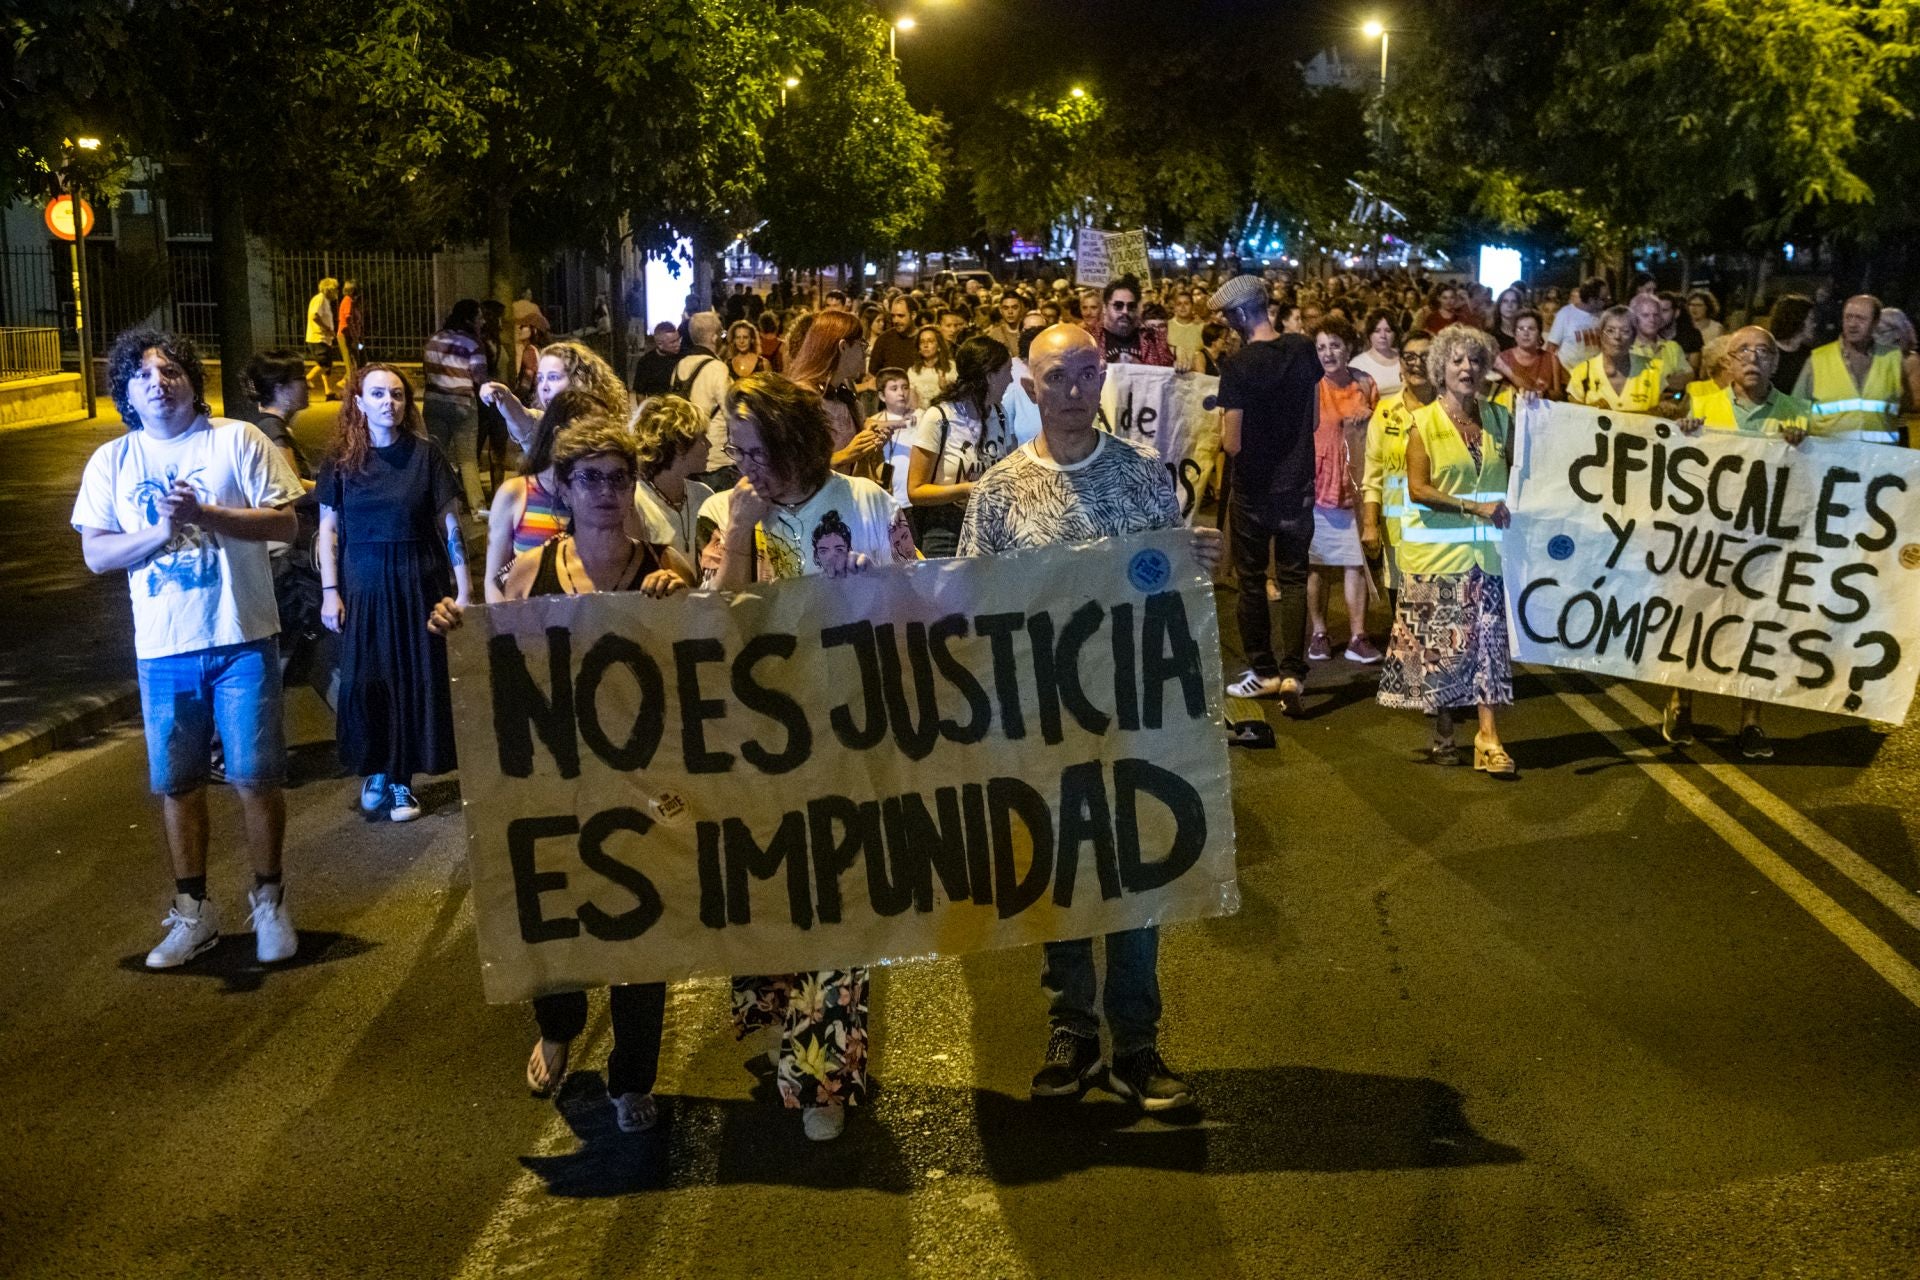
x,y
1856,387
1270,392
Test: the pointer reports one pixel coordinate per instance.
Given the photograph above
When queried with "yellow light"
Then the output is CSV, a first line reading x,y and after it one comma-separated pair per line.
x,y
1372,30
88,144
905,24
1078,92
792,82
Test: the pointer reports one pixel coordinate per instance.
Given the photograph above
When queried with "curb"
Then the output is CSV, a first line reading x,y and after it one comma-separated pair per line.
x,y
72,721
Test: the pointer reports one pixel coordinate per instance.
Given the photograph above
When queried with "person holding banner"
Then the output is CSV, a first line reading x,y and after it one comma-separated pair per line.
x,y
1621,377
792,515
672,446
1750,404
961,433
1856,386
1114,322
1075,483
1383,485
597,465
1449,648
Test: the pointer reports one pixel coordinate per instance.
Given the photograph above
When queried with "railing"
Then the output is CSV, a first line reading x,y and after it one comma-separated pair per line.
x,y
28,353
394,298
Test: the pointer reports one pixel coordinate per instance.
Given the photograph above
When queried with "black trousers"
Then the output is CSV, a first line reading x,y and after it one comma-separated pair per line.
x,y
639,1011
1257,537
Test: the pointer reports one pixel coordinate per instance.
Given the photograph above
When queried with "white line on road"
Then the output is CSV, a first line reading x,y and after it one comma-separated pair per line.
x,y
1862,941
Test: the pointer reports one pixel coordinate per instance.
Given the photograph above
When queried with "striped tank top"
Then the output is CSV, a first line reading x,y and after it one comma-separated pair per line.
x,y
542,518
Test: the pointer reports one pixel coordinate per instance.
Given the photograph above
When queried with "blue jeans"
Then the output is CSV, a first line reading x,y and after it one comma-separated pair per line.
x,y
1132,1001
185,697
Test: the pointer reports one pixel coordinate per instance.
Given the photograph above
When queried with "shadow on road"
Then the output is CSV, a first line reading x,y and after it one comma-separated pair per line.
x,y
232,963
1280,1119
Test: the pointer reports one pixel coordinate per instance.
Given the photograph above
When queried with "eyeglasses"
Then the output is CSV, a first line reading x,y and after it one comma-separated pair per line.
x,y
756,456
589,479
1755,353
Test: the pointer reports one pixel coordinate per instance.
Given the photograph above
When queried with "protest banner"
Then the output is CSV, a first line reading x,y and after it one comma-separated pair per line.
x,y
941,757
1101,256
1718,562
1175,415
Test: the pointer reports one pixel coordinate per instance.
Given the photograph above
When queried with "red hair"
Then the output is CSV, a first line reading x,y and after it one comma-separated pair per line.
x,y
355,441
813,365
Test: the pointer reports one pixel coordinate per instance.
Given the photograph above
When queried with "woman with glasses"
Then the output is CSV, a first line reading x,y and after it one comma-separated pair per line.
x,y
389,543
792,515
595,464
1383,484
1619,378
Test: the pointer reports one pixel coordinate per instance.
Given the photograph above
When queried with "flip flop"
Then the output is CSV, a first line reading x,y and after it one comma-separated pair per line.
x,y
554,1068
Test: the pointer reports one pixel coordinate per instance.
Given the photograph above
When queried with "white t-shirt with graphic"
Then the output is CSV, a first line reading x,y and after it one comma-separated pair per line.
x,y
1576,335
201,590
849,515
968,450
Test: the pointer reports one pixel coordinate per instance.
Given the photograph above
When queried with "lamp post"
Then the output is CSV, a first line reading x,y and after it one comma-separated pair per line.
x,y
791,82
80,267
894,29
1373,29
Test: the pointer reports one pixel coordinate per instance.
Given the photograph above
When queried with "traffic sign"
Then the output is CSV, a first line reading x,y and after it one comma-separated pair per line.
x,y
60,217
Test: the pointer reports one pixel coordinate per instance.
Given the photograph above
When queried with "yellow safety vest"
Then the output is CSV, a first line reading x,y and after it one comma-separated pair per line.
x,y
1698,392
1449,542
1590,385
1387,460
1844,411
1781,412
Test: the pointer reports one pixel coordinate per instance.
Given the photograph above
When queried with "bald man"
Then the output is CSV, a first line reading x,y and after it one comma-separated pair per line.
x,y
1074,483
1857,387
1751,405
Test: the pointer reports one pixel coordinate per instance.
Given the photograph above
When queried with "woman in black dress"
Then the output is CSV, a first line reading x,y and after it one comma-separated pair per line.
x,y
389,546
596,464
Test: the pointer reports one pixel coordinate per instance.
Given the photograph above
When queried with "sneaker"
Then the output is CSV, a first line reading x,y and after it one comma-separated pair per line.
x,y
1145,1078
1361,650
824,1124
274,939
636,1112
373,793
193,926
1291,701
1255,685
1072,1061
1676,725
1755,744
1318,650
402,806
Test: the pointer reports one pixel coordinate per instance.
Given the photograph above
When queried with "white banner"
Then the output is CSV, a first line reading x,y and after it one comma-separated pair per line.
x,y
932,758
1718,562
1100,256
1177,415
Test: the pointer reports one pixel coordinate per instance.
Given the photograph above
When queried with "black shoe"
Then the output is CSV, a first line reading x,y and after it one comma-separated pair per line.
x,y
1072,1061
1146,1079
1676,725
1754,743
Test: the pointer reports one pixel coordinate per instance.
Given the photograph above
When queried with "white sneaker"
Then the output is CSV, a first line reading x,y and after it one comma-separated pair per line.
x,y
193,926
373,793
824,1124
636,1112
274,939
405,807
1255,685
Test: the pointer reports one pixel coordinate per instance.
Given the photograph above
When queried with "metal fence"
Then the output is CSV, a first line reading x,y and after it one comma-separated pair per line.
x,y
395,298
29,353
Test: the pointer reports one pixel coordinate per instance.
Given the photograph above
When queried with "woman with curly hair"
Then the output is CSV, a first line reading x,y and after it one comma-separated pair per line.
x,y
564,366
1449,645
672,447
389,546
743,350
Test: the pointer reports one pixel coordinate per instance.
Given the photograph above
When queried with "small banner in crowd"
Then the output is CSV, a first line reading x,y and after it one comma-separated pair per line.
x,y
934,758
1718,562
1100,256
1176,415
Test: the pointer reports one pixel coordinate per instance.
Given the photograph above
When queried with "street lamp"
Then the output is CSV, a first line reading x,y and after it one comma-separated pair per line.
x,y
893,30
71,176
1374,29
1077,92
791,82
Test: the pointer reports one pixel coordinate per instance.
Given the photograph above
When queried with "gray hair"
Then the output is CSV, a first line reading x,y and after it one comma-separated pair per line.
x,y
1451,339
704,328
1715,353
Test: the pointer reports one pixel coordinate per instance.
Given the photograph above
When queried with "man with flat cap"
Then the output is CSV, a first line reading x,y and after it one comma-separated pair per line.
x,y
1269,390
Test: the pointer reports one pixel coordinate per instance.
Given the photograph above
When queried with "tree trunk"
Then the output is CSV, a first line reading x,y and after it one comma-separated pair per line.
x,y
230,291
500,274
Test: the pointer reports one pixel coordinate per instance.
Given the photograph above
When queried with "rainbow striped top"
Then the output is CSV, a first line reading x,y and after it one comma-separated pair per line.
x,y
540,520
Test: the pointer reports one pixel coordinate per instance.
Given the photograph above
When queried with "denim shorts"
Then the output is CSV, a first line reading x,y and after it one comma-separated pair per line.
x,y
234,689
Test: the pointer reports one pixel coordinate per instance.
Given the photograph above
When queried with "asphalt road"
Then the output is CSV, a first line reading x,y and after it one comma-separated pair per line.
x,y
1638,1014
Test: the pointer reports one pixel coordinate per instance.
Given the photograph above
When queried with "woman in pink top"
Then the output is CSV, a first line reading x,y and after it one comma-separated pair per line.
x,y
1347,397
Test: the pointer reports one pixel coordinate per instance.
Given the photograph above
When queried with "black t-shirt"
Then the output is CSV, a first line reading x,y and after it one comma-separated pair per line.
x,y
653,372
1121,350
892,350
1274,385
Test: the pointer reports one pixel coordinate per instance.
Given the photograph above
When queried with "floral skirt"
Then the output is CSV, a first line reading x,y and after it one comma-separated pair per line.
x,y
1449,644
823,1031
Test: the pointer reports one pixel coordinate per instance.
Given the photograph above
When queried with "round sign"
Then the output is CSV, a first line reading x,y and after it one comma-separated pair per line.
x,y
60,217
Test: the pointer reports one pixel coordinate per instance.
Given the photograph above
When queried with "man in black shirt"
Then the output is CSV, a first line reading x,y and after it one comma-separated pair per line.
x,y
653,371
894,347
1269,390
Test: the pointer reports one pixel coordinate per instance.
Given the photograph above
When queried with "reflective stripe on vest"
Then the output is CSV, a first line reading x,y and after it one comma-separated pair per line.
x,y
1857,406
1868,436
1418,530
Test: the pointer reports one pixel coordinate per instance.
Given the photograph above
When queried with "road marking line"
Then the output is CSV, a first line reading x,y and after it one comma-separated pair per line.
x,y
1901,975
1887,891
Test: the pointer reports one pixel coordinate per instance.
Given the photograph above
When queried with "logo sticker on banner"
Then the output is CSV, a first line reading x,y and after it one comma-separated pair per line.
x,y
934,758
1721,562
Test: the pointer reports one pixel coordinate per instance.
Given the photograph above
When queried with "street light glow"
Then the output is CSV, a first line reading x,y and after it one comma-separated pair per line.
x,y
792,82
88,144
1078,92
1372,30
905,24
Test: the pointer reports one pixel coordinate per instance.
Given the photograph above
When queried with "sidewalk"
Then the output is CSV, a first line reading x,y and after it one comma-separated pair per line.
x,y
66,634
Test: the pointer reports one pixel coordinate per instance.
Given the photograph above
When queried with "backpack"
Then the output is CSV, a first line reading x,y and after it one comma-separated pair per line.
x,y
683,387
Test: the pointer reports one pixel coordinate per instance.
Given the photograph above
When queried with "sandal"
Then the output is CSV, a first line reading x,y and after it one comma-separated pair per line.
x,y
1492,760
547,1072
1443,752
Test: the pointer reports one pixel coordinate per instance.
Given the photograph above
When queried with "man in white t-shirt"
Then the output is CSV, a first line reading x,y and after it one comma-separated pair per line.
x,y
1575,335
185,505
1076,483
1183,331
